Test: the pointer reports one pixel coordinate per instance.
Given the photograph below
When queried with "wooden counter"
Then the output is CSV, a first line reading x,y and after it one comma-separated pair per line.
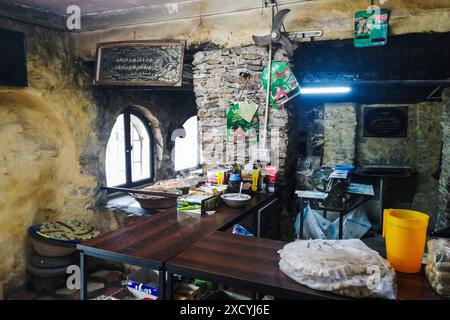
x,y
252,264
151,241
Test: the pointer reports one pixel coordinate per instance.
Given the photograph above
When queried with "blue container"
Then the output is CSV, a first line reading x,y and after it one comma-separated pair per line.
x,y
346,167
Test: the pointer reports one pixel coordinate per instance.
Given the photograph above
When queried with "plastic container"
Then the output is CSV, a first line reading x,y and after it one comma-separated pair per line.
x,y
234,182
143,284
405,232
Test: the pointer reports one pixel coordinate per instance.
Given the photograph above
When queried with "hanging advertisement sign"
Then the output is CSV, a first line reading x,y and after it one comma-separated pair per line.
x,y
371,27
283,83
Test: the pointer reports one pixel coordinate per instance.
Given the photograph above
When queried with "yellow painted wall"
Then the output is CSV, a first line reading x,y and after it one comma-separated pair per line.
x,y
45,130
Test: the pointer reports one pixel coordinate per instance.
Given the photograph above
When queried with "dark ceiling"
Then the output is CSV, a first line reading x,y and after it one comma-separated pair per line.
x,y
424,56
95,14
89,6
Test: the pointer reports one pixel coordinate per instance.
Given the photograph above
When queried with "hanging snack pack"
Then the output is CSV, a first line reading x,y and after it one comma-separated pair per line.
x,y
371,27
241,123
283,84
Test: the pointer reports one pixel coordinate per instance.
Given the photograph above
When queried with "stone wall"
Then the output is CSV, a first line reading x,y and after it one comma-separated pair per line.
x,y
345,143
53,137
165,111
47,137
420,149
339,133
443,209
217,86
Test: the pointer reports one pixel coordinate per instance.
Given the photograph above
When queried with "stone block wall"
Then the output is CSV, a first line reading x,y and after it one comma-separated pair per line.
x,y
345,143
217,86
443,219
339,133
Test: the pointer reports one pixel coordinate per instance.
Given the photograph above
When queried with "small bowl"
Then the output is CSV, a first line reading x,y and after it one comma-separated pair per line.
x,y
235,200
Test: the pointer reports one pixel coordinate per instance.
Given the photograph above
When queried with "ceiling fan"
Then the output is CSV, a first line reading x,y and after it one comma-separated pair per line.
x,y
285,39
276,36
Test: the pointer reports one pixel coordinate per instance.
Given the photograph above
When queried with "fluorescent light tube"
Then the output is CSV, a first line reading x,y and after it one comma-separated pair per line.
x,y
321,90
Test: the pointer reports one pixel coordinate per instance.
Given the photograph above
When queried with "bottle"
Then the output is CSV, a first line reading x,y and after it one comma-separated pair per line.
x,y
234,182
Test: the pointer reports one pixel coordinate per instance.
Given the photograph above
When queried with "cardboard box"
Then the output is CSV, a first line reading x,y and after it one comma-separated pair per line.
x,y
192,203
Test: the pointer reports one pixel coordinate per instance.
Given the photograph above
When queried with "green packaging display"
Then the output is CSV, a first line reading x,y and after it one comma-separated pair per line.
x,y
237,126
192,203
283,83
371,28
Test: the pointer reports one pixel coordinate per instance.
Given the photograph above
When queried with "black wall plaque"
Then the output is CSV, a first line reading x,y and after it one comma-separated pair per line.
x,y
385,122
140,63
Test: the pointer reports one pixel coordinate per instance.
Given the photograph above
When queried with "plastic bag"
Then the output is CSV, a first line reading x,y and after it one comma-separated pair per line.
x,y
314,225
345,267
355,225
240,230
437,269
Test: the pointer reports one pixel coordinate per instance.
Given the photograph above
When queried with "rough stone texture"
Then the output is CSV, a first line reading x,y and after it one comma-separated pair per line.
x,y
217,86
339,133
428,145
344,143
420,149
311,133
165,112
443,209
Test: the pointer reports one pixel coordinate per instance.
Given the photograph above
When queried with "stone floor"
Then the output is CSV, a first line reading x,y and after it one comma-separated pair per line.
x,y
100,283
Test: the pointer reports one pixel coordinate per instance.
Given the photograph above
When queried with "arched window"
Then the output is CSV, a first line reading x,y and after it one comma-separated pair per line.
x,y
129,153
187,148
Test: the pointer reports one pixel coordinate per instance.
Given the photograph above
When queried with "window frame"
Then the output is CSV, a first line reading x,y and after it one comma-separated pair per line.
x,y
199,150
128,148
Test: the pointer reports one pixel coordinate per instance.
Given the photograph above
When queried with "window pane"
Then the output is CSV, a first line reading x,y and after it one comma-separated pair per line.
x,y
186,149
140,154
115,155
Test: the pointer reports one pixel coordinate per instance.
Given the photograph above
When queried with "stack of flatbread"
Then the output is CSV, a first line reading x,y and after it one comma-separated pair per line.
x,y
437,269
345,267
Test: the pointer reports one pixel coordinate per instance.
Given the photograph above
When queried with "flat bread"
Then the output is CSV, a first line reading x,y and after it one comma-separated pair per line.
x,y
342,266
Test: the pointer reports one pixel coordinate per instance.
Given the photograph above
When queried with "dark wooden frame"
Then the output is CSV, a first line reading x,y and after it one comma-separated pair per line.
x,y
143,43
128,168
368,134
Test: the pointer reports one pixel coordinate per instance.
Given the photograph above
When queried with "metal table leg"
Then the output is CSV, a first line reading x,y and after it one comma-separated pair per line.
x,y
341,222
162,284
170,286
83,276
301,219
258,219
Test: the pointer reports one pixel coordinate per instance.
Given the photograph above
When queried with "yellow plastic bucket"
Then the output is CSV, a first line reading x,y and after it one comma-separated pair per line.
x,y
405,232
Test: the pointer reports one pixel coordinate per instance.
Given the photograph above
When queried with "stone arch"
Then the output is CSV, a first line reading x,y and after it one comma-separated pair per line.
x,y
165,110
40,171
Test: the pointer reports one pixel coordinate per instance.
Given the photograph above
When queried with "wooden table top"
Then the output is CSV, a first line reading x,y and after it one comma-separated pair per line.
x,y
415,286
157,238
254,262
249,261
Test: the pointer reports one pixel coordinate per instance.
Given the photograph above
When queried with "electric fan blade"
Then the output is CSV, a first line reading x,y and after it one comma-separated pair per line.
x,y
279,18
262,40
287,45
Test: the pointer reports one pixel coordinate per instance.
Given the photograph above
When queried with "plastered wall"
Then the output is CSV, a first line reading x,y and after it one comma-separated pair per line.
x,y
46,133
